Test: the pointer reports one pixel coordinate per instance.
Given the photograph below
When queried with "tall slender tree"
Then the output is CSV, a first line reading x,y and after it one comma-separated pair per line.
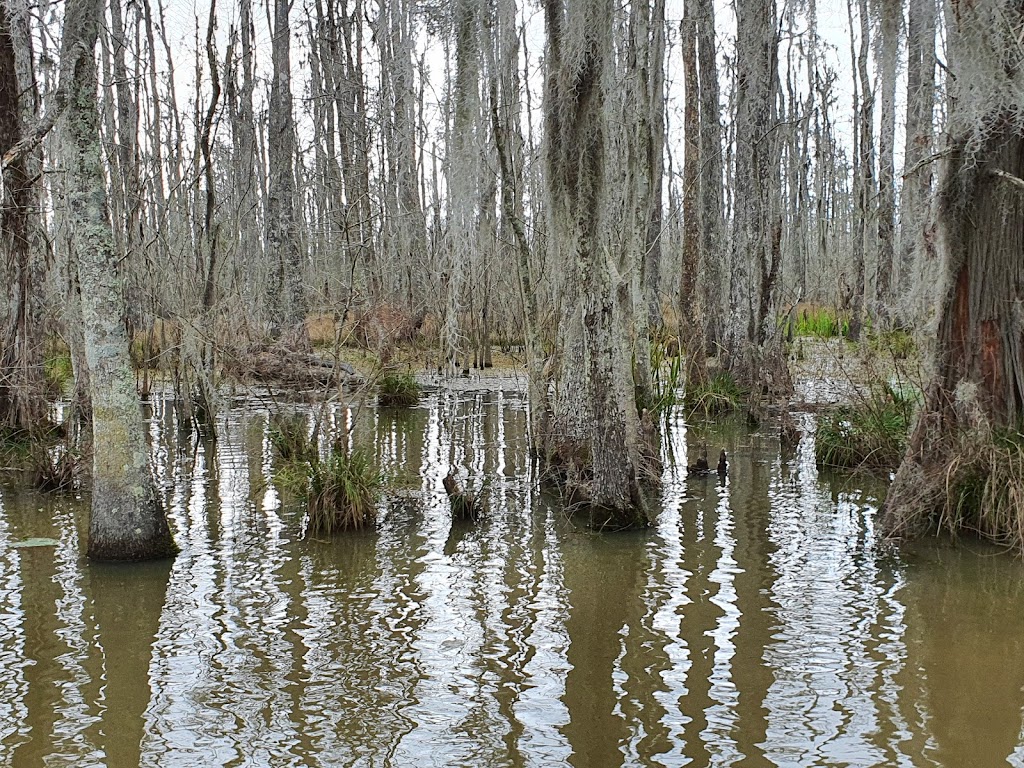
x,y
127,520
287,300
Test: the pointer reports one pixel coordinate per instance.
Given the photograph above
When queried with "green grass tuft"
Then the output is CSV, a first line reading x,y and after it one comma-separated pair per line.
x,y
720,394
58,370
818,322
398,390
343,491
871,434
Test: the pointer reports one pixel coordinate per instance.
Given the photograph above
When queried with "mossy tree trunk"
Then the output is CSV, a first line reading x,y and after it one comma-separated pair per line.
x,y
757,223
978,386
127,520
22,396
594,435
286,301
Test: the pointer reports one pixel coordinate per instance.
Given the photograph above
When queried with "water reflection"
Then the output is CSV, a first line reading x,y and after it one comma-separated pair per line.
x,y
758,622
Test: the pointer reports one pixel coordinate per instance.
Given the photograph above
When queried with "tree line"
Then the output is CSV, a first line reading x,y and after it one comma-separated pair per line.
x,y
422,162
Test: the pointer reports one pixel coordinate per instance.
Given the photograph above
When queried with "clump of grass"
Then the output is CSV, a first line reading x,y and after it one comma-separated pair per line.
x,y
55,469
398,390
871,434
985,488
343,491
819,322
58,370
720,394
289,435
897,343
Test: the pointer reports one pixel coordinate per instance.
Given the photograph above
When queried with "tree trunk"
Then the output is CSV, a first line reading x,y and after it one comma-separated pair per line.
x,y
978,390
22,395
691,335
891,18
712,226
917,182
127,520
595,434
757,227
287,300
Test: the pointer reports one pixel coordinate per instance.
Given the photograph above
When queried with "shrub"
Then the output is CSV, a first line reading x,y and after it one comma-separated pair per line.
x,y
720,394
398,390
871,434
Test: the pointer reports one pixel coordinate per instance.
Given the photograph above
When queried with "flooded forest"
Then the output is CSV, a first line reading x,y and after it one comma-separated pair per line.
x,y
511,383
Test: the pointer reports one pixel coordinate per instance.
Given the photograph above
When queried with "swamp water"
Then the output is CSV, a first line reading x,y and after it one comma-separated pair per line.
x,y
759,622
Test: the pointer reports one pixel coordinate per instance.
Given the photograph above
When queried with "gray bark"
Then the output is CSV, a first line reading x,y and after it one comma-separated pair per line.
x,y
287,296
127,520
595,429
755,251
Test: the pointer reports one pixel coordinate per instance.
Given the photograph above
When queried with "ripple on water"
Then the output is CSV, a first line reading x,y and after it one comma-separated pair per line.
x,y
757,622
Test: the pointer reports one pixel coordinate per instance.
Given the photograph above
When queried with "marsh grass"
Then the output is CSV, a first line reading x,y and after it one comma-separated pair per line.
x,y
290,437
398,390
343,490
819,322
720,394
870,433
985,488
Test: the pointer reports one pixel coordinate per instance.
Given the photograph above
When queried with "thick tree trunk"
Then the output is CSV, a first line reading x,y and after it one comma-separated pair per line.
x,y
757,225
127,520
595,435
978,389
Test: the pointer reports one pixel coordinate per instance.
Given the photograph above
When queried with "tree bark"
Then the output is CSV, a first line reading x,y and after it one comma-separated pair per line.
x,y
127,520
757,227
287,299
978,387
595,433
22,387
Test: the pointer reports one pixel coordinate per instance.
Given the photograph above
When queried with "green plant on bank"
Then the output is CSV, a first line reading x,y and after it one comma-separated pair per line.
x,y
718,395
820,322
897,343
985,487
870,434
398,390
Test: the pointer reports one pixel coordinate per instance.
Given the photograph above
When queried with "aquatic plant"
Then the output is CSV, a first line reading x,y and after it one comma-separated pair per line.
x,y
666,375
869,434
820,322
719,394
398,390
58,370
985,488
289,435
343,490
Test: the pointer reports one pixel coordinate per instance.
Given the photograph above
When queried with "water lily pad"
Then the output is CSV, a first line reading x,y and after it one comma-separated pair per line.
x,y
36,542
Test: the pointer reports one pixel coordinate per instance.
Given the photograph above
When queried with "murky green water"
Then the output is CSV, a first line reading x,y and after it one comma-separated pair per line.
x,y
759,622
